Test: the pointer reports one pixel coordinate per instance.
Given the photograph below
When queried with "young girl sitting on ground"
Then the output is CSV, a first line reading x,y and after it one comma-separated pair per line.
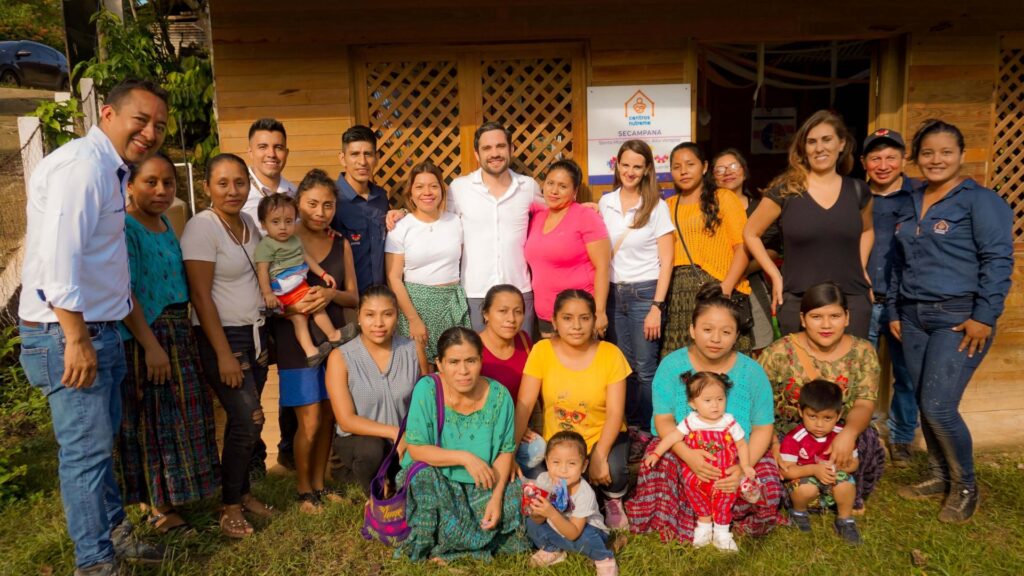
x,y
806,463
579,525
710,429
281,267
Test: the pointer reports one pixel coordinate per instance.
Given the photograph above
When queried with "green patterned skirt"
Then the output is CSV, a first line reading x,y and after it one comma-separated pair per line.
x,y
445,516
440,308
682,299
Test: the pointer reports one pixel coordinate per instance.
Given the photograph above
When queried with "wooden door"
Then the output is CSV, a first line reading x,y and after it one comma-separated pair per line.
x,y
426,102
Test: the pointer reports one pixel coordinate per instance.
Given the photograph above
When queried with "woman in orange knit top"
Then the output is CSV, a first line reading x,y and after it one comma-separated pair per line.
x,y
709,244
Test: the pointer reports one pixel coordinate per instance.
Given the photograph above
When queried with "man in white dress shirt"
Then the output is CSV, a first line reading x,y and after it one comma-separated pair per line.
x,y
494,205
75,288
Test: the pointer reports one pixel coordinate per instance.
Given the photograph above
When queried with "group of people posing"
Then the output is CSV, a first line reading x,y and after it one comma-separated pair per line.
x,y
649,314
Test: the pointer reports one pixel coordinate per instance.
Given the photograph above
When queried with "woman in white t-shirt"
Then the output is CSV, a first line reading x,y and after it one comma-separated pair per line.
x,y
422,258
640,229
217,247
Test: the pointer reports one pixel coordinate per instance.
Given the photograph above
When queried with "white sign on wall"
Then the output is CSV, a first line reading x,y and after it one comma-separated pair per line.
x,y
658,114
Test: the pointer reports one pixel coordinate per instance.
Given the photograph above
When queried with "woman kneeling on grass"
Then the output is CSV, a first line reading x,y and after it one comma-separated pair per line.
x,y
464,503
824,350
659,503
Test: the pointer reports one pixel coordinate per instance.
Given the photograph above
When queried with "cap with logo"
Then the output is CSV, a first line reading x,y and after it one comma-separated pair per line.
x,y
884,134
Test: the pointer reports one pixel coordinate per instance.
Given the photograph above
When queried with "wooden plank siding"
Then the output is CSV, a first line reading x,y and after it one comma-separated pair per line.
x,y
954,77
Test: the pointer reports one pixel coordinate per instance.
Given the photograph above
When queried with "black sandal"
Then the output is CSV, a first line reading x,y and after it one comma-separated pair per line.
x,y
332,495
310,498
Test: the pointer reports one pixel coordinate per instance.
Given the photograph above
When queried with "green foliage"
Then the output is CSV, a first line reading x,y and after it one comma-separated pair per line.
x,y
38,20
132,52
57,120
190,92
24,413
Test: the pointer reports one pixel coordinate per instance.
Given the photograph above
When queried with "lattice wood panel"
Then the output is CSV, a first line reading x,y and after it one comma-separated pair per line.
x,y
533,97
1008,160
414,108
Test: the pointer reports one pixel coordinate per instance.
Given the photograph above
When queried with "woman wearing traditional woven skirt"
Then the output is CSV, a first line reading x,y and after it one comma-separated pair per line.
x,y
167,450
709,245
422,258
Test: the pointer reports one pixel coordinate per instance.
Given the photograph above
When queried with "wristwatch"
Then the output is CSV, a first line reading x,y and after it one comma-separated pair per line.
x,y
660,305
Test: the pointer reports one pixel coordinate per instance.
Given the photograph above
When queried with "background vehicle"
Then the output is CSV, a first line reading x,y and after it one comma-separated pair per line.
x,y
25,63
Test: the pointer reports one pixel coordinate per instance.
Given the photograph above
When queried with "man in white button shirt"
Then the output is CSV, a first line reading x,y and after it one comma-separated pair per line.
x,y
494,204
268,155
75,288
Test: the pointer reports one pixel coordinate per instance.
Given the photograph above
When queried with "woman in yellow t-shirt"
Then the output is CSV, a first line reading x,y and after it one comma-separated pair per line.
x,y
709,245
582,385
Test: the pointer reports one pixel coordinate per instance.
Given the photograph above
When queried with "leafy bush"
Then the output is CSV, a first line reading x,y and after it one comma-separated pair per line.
x,y
38,20
57,120
132,52
24,413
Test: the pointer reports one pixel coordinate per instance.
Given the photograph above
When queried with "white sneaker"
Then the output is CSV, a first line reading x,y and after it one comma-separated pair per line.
x,y
724,541
702,535
606,567
543,558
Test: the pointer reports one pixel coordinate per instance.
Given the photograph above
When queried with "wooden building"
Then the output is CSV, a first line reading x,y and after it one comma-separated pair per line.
x,y
426,74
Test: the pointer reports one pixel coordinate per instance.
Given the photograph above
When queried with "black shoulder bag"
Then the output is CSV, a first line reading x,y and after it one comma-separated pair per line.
x,y
742,301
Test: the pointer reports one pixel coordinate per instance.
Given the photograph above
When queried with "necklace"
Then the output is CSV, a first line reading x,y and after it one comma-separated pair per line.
x,y
245,230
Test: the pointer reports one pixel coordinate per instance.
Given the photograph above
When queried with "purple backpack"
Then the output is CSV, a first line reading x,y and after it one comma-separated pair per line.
x,y
384,518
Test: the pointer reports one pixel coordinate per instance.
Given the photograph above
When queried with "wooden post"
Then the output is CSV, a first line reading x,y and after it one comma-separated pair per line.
x,y
30,136
90,103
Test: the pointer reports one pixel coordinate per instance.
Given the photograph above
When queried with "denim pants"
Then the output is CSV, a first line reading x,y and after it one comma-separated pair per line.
x,y
242,406
940,375
903,407
592,543
628,307
85,421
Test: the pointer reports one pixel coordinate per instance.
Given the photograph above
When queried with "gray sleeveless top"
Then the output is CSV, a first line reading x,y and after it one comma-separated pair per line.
x,y
383,398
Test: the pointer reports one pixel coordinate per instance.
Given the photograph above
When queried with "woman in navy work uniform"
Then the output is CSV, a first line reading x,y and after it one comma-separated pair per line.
x,y
951,273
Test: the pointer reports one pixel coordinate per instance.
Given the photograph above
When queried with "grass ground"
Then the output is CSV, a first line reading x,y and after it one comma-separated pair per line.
x,y
33,539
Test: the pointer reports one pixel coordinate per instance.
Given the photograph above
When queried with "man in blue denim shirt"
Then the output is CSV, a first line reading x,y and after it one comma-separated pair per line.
x,y
883,159
76,286
362,205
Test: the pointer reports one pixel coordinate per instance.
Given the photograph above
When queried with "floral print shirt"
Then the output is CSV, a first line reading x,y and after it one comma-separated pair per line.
x,y
856,372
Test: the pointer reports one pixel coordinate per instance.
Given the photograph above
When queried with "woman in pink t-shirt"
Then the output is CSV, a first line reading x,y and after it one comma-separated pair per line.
x,y
567,246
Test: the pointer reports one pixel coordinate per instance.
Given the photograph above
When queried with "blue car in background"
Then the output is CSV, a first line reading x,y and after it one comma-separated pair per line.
x,y
26,63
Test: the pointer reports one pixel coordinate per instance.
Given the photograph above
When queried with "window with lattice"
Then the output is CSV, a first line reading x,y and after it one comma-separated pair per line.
x,y
533,97
414,108
1008,158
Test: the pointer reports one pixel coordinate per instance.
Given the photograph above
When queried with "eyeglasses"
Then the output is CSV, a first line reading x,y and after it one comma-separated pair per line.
x,y
730,167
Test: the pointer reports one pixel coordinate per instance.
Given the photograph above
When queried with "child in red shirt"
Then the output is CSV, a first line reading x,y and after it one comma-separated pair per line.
x,y
806,463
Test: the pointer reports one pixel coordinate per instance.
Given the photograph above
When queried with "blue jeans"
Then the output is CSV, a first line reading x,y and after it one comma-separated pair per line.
x,y
85,421
592,543
628,307
903,408
940,375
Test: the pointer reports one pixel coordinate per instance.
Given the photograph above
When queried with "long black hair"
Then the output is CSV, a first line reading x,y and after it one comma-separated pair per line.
x,y
709,188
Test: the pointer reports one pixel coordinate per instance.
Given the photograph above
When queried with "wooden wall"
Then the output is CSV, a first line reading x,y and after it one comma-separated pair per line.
x,y
292,63
954,77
